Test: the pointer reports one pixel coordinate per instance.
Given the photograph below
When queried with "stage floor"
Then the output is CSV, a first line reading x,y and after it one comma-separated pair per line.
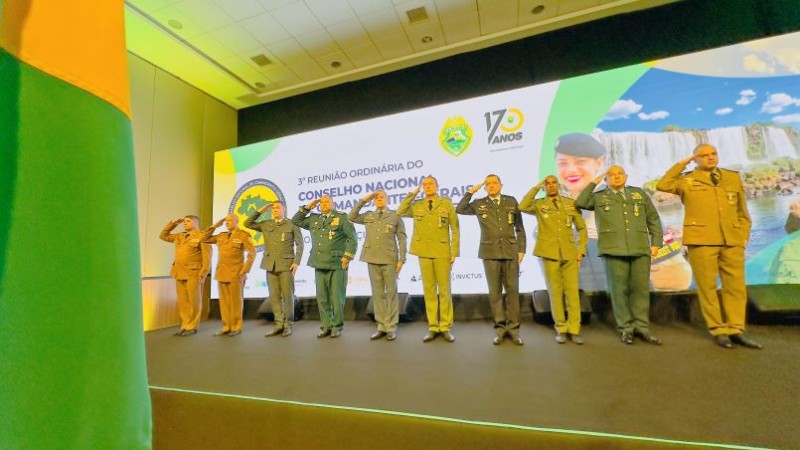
x,y
686,390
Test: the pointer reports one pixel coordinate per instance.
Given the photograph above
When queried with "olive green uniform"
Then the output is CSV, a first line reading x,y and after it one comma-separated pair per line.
x,y
435,242
558,221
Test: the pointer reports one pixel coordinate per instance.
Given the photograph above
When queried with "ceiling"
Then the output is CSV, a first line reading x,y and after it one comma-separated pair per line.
x,y
248,52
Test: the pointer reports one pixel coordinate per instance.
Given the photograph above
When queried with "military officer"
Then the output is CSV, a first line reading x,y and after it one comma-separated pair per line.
x,y
232,270
502,248
333,246
629,236
190,268
435,243
283,248
716,228
558,220
384,251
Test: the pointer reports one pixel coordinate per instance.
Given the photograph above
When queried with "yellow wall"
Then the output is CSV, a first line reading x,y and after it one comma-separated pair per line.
x,y
176,130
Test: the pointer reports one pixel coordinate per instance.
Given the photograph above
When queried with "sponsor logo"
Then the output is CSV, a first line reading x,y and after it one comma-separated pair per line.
x,y
504,126
249,198
456,136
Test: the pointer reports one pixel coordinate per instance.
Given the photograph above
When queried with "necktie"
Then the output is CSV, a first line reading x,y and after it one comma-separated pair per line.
x,y
555,202
496,201
715,178
430,205
380,213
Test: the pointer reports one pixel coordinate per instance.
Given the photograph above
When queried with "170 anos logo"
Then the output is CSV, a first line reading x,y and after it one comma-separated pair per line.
x,y
503,125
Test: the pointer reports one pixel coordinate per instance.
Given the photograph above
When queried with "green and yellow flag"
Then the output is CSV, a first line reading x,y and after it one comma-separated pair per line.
x,y
72,370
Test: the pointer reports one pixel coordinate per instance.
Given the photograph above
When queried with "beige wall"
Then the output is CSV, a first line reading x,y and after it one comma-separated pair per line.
x,y
176,130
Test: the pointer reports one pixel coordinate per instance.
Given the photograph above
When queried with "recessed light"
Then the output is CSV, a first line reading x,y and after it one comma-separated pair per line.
x,y
261,60
336,64
537,9
175,24
417,15
426,39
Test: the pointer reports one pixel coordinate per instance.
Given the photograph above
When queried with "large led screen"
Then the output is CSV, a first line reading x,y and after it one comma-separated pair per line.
x,y
743,99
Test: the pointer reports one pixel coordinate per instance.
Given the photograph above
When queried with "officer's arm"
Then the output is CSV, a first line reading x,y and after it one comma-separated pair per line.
x,y
670,182
251,253
298,244
206,252
455,244
351,244
465,206
583,236
251,222
519,228
207,236
354,215
404,210
402,239
300,218
166,234
526,205
585,199
742,212
653,222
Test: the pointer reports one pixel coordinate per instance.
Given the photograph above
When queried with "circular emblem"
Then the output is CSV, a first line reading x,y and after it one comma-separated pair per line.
x,y
249,198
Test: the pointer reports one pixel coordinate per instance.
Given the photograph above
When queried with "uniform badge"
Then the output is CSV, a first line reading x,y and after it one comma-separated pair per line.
x,y
483,216
636,209
335,222
636,196
731,198
510,217
283,236
330,235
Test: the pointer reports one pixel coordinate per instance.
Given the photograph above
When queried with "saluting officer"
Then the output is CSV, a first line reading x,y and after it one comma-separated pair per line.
x,y
232,269
716,228
283,248
435,242
189,269
384,251
502,248
629,236
558,220
333,245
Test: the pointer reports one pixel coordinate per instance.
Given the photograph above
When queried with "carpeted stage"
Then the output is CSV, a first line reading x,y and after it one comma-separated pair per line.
x,y
471,394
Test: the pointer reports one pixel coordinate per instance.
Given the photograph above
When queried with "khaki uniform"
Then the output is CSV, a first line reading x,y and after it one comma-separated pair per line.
x,y
716,228
627,226
331,240
190,268
232,248
435,242
557,246
384,246
502,241
283,246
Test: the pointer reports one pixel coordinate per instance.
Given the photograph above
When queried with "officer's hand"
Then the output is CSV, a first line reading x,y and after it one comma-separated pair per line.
x,y
345,263
218,223
653,252
243,273
176,222
264,208
369,197
475,188
520,256
580,258
313,204
687,160
201,276
539,186
293,268
600,178
416,189
399,267
452,260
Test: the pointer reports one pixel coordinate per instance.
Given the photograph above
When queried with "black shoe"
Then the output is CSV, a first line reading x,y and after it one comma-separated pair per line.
x,y
286,332
274,332
188,332
497,340
723,341
448,336
576,339
377,335
390,336
517,340
560,338
221,333
627,338
740,339
234,333
429,337
649,338
323,333
179,332
336,333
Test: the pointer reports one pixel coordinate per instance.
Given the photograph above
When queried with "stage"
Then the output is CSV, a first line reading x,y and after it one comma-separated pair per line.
x,y
602,394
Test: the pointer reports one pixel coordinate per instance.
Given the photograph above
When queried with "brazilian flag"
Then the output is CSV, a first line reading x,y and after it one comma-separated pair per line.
x,y
72,366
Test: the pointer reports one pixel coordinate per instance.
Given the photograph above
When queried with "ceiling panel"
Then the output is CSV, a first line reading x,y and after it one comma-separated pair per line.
x,y
318,43
449,10
566,7
308,71
349,34
364,7
382,24
531,11
205,13
212,47
426,38
265,29
290,52
177,22
296,18
364,55
240,9
236,38
394,47
500,17
273,4
331,12
462,29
